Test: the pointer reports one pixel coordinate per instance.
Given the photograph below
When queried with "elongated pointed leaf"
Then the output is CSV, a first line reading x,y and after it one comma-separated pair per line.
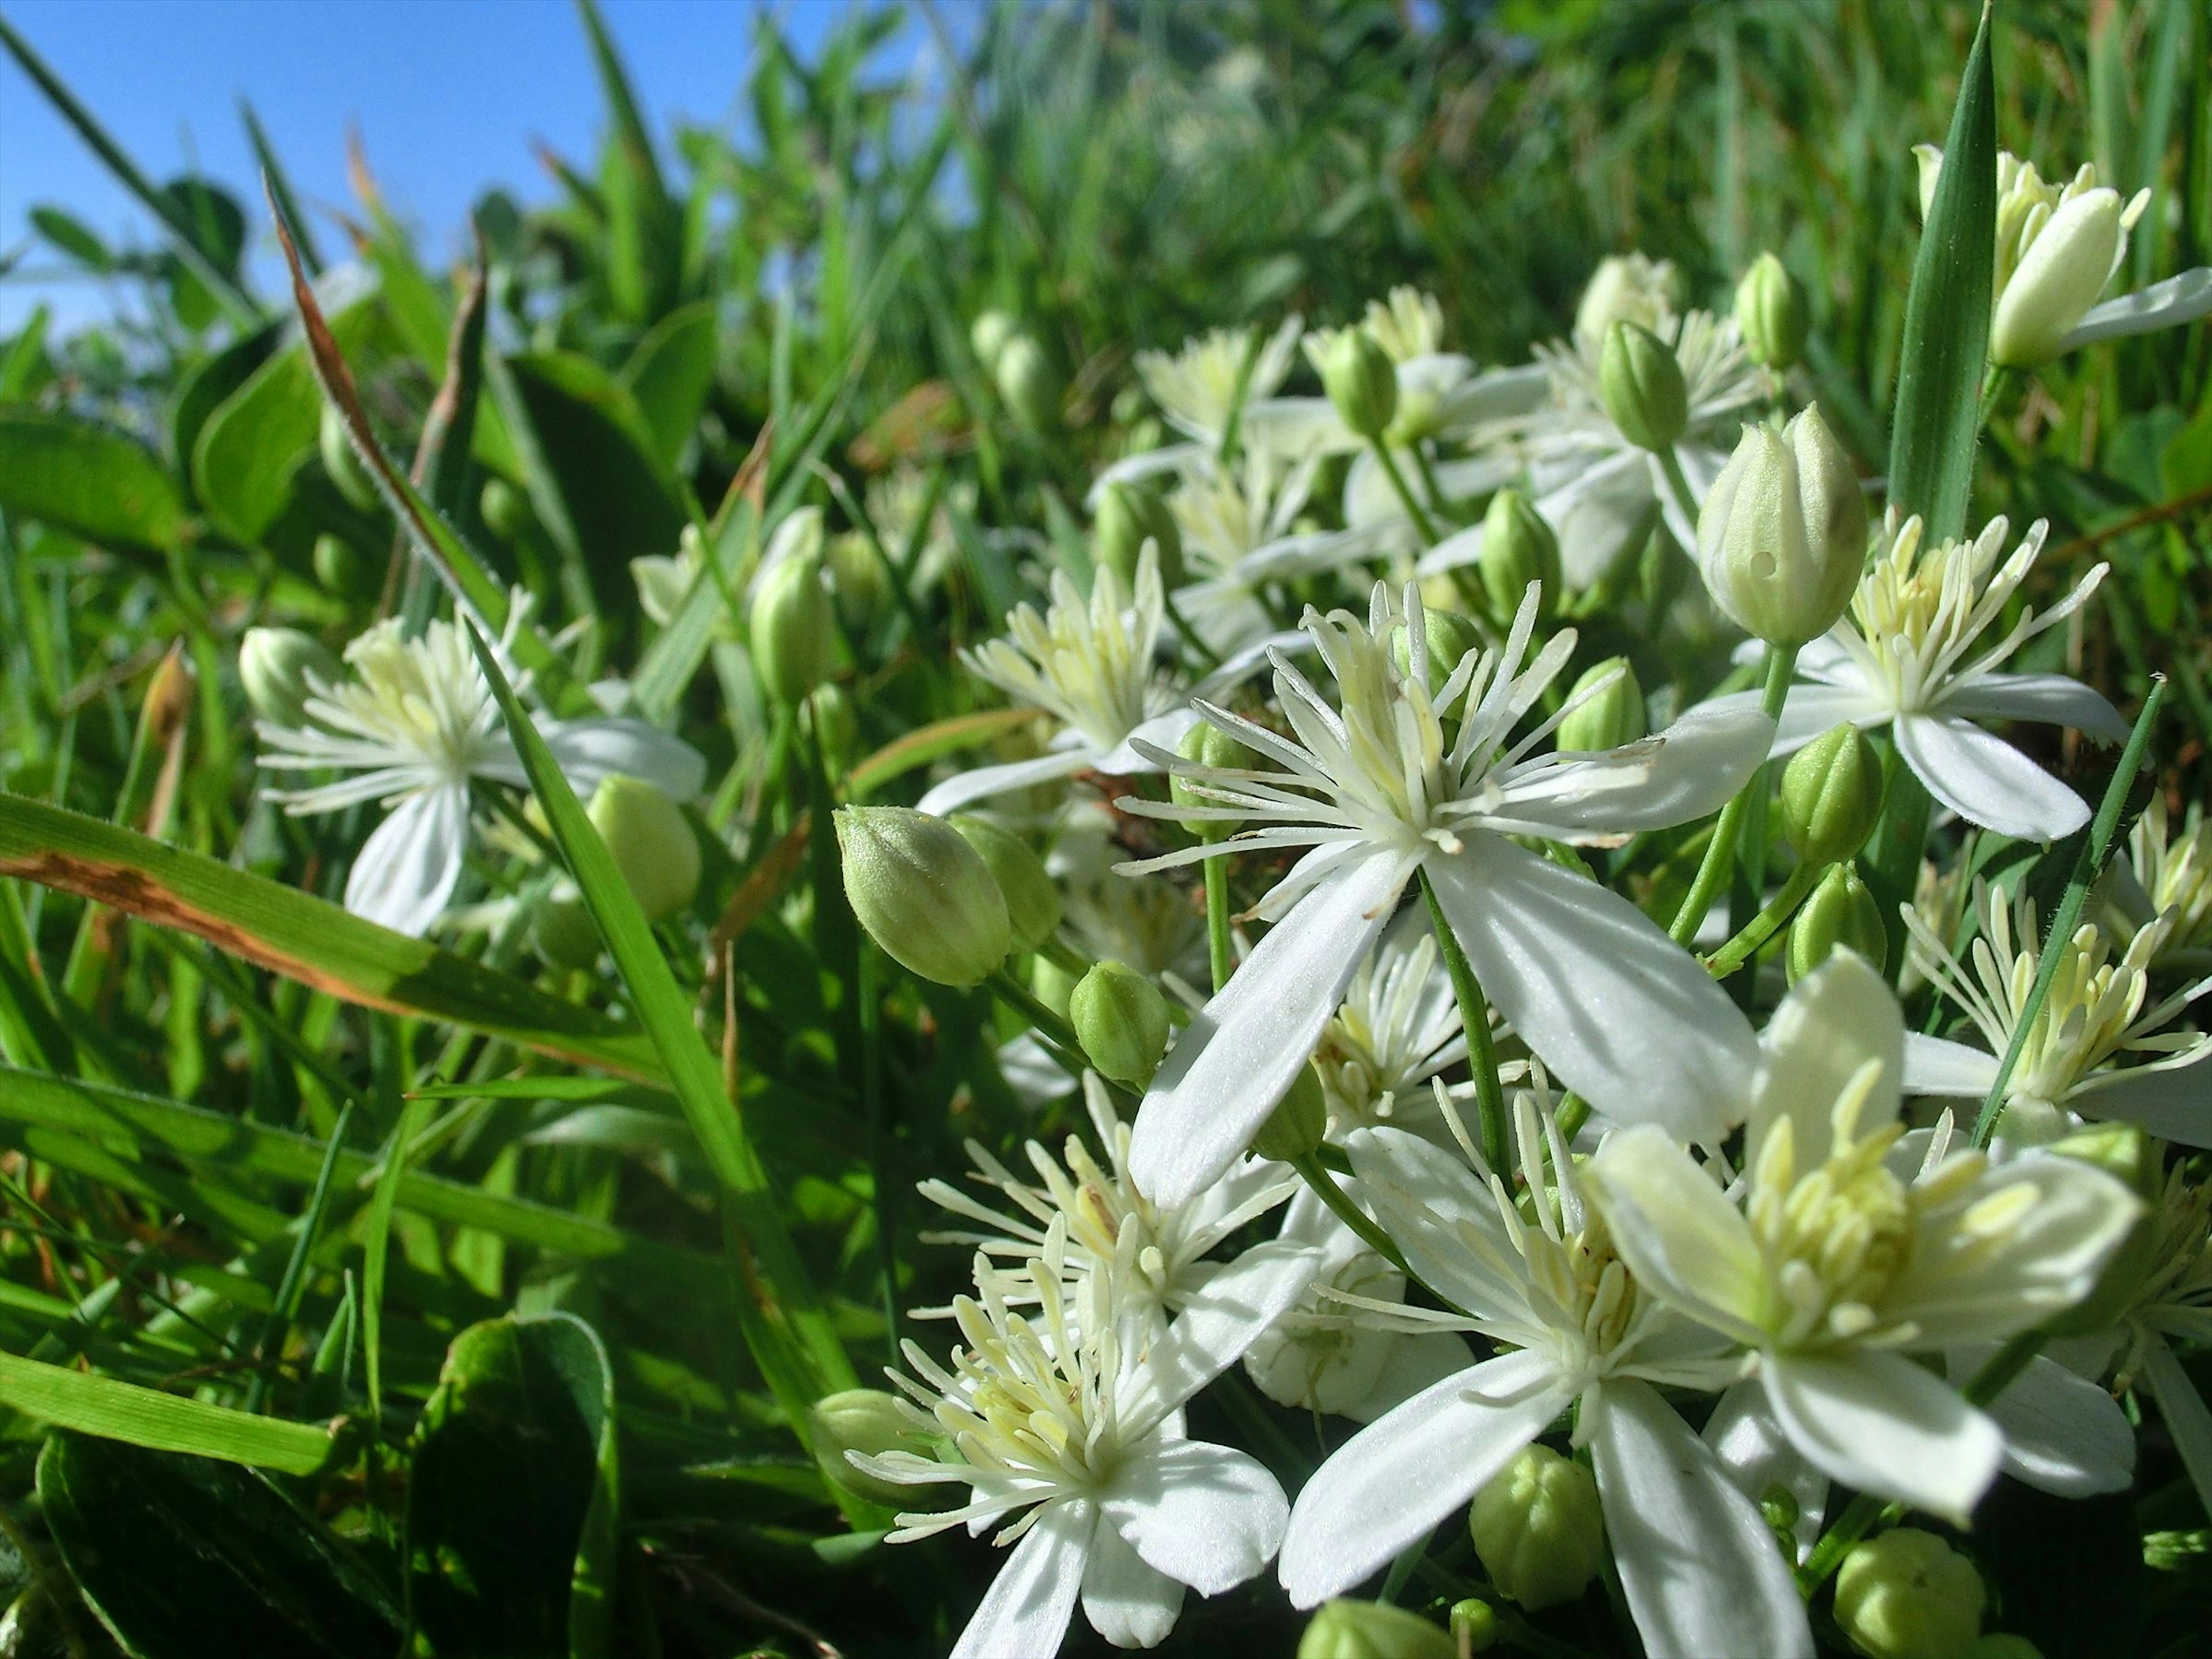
x,y
115,1410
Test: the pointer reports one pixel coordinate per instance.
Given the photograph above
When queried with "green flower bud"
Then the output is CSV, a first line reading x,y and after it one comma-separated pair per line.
x,y
1614,716
1299,1122
990,335
2001,1644
340,461
793,630
1662,571
1372,1630
1840,911
1474,1626
1122,1021
1832,794
1640,381
1518,547
1779,1508
1053,984
1129,515
1450,636
342,570
506,510
275,665
1769,308
864,1420
1032,900
564,932
1207,745
1538,1529
1361,381
858,579
923,893
1028,384
1782,536
1908,1595
837,726
652,842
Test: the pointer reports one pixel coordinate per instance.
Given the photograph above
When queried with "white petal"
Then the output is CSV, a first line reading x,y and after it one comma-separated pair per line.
x,y
1225,1317
1758,1457
409,866
2187,1419
2180,298
1162,732
1935,1065
1597,512
1240,665
590,751
1985,781
1619,1012
1685,772
1678,1232
1131,1604
2053,699
1424,1196
1832,1022
1702,1572
1245,1048
1147,464
1206,1516
1395,1479
1029,1604
2172,1102
1417,1361
982,782
1810,710
1879,1423
2063,1433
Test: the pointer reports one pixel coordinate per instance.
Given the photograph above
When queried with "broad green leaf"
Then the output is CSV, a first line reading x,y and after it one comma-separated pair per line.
x,y
72,236
183,1557
209,383
301,937
1947,316
115,1410
671,373
87,479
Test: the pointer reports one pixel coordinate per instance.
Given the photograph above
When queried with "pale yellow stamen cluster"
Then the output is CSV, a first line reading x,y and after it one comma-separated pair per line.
x,y
2175,869
1090,666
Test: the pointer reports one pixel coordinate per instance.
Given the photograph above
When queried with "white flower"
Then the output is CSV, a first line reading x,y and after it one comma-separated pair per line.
x,y
2163,873
2098,1010
1697,1563
1613,1007
1838,1263
1196,387
412,728
1627,287
1911,655
2172,1306
1061,1416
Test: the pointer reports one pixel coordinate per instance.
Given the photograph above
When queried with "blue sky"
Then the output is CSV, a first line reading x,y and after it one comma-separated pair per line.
x,y
448,96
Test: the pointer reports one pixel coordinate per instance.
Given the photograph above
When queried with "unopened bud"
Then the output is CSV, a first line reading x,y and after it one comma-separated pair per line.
x,y
1129,515
340,461
1345,1629
1028,384
1840,911
858,579
2069,259
1782,537
1361,381
990,335
1448,636
1122,1021
1538,1529
868,1421
651,841
1474,1626
1662,570
923,893
1032,900
1831,792
1908,1595
793,630
1207,745
506,510
1611,717
1779,1508
1769,308
1640,381
564,931
1627,287
1518,548
279,668
837,726
1296,1129
340,570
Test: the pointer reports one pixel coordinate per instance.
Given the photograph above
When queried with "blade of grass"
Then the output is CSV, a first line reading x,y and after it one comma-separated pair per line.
x,y
115,1410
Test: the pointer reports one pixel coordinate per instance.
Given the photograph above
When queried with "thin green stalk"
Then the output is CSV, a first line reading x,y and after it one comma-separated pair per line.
x,y
1431,484
1325,1187
1677,485
1053,1029
882,1188
1220,947
294,1284
1720,851
1414,510
1899,841
1474,1016
1761,928
2086,865
1207,654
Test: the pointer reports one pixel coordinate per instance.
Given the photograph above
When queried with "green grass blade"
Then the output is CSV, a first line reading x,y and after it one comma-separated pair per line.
x,y
116,1410
279,186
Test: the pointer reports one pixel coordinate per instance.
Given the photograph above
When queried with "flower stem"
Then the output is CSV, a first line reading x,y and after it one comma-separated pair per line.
x,y
1053,1030
1220,949
1414,510
1898,843
1678,486
1720,851
1761,928
1475,1017
1325,1187
1207,654
1431,486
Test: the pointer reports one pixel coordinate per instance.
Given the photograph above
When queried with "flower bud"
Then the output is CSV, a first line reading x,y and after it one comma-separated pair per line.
x,y
339,460
1129,515
1782,534
340,570
923,893
2058,278
564,932
1840,912
276,664
1626,287
1028,384
1769,308
1372,1630
1296,1127
651,841
990,335
1613,717
1538,1529
1032,900
1832,794
1122,1021
1908,1595
2000,1644
857,578
1474,1626
836,727
1640,381
1207,745
1518,547
793,630
864,1420
1449,635
505,509
1662,571
1361,381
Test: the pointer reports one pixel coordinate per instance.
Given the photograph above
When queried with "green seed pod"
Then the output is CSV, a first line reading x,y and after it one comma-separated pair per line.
x,y
275,665
340,461
1372,1630
923,893
1474,1626
342,570
865,1420
1640,381
1030,385
1782,537
652,842
1840,911
1769,308
1518,548
1207,745
1299,1122
1032,900
1538,1529
1614,716
990,335
564,932
1362,381
1129,515
1832,794
1122,1021
506,510
1908,1595
793,630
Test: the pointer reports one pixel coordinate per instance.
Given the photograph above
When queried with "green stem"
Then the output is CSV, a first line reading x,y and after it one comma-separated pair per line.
x,y
1720,851
1325,1187
1474,1016
1414,510
1053,1029
1431,485
1761,928
2000,382
1898,843
1678,486
1220,947
1207,654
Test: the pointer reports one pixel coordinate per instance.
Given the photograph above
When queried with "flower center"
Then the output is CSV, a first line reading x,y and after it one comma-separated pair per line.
x,y
1834,1236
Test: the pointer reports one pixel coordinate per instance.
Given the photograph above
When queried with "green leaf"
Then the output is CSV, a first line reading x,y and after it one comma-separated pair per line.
x,y
671,373
210,383
301,937
73,237
1947,315
87,479
511,1500
186,1559
115,1410
645,229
